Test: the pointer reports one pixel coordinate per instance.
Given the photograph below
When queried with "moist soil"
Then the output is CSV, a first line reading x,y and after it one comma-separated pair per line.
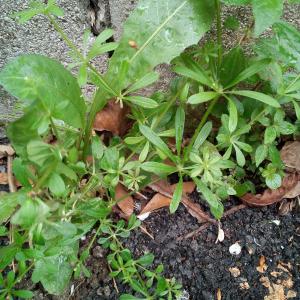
x,y
200,264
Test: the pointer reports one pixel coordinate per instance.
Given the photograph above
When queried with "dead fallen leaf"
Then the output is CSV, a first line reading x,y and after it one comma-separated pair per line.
x,y
291,294
219,294
112,118
290,155
275,274
262,267
276,292
3,178
235,272
272,196
166,190
6,150
221,234
265,281
157,202
127,204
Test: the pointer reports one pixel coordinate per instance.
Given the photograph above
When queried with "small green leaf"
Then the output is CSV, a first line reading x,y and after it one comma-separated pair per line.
x,y
273,181
250,71
156,140
144,153
158,168
82,75
202,97
179,127
147,80
97,147
23,294
21,172
177,195
129,297
232,23
260,154
56,185
142,101
203,135
258,96
297,109
233,115
270,135
240,158
98,50
146,259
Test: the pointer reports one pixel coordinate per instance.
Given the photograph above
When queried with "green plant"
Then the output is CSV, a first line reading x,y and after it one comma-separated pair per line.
x,y
59,200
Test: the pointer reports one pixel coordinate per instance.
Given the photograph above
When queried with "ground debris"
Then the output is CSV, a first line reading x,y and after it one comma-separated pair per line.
x,y
262,267
235,272
127,203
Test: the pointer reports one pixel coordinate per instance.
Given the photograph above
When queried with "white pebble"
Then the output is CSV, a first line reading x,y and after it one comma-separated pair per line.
x,y
235,249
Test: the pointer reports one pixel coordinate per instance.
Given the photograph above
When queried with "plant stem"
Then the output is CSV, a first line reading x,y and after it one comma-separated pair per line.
x,y
201,124
55,131
219,33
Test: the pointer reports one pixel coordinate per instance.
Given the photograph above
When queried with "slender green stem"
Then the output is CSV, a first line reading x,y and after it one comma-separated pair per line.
x,y
219,32
201,124
55,131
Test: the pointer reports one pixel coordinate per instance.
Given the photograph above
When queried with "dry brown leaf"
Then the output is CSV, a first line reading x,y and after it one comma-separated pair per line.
x,y
112,118
165,189
290,155
157,202
219,294
262,267
244,285
3,178
272,196
6,150
126,204
291,294
276,292
265,281
275,274
235,272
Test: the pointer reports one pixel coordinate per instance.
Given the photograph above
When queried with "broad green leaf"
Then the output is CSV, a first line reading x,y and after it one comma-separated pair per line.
x,y
297,109
258,96
8,204
233,115
156,140
284,47
294,86
203,135
158,168
168,27
7,255
270,135
82,75
146,80
36,78
177,195
266,13
250,71
260,154
233,64
146,259
53,272
97,147
144,153
21,172
56,185
216,206
40,152
142,101
202,97
179,127
107,47
132,140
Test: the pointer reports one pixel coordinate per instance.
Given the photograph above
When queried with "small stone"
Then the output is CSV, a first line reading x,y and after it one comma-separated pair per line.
x,y
235,249
244,286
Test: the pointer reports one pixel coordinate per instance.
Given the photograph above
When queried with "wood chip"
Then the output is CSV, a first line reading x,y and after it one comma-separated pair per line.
x,y
219,294
3,179
262,267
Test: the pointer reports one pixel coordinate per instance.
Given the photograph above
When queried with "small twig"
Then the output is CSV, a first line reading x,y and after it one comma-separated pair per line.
x,y
144,229
114,281
10,177
206,225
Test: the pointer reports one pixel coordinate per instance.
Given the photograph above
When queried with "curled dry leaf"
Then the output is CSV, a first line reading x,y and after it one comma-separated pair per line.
x,y
6,150
164,196
290,155
126,204
272,196
262,267
219,294
112,118
221,234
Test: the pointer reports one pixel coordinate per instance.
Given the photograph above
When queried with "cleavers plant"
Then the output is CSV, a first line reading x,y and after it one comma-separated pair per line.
x,y
245,104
